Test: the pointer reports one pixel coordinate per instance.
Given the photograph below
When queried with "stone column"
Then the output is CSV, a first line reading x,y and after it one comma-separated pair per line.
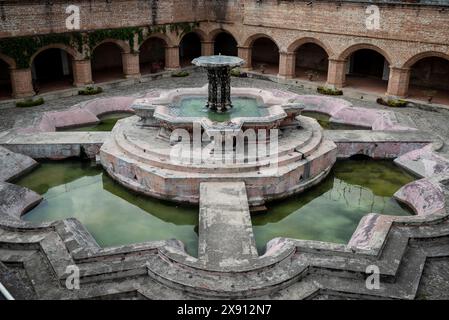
x,y
336,75
398,82
131,67
245,53
172,58
207,48
287,65
22,83
82,72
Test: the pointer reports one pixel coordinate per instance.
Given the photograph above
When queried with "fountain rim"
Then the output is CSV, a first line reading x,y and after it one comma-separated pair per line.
x,y
218,61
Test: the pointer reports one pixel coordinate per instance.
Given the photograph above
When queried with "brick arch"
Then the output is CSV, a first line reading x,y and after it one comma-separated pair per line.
x,y
214,33
250,40
200,33
299,42
70,50
353,48
10,61
427,54
161,36
123,45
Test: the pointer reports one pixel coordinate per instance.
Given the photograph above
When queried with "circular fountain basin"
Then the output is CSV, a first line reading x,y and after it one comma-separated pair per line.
x,y
140,151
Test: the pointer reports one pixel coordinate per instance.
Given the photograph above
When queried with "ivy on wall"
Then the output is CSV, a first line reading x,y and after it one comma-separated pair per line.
x,y
23,48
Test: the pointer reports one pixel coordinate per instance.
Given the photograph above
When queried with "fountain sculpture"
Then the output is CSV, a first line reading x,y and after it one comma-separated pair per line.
x,y
219,77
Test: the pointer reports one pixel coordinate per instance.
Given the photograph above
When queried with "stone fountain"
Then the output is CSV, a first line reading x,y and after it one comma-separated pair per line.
x,y
181,138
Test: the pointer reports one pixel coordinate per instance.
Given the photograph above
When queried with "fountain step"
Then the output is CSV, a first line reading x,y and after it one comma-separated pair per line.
x,y
155,152
225,229
202,283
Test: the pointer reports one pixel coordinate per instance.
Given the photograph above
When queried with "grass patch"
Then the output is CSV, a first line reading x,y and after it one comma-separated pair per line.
x,y
180,74
89,91
30,103
329,91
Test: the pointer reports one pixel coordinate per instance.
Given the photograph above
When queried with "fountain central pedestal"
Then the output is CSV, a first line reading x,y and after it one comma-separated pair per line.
x,y
219,78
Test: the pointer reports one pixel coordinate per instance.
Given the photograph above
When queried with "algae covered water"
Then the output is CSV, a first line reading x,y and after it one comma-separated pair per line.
x,y
114,215
107,122
111,213
332,210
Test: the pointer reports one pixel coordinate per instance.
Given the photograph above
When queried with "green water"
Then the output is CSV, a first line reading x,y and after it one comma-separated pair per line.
x,y
325,123
242,107
329,212
107,122
111,213
332,210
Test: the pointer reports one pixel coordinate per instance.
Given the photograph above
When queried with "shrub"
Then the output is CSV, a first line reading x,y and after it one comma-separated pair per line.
x,y
89,91
180,74
394,103
236,72
329,91
29,103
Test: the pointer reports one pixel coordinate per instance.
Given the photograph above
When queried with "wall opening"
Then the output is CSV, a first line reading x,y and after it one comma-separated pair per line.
x,y
5,81
107,62
225,44
429,80
52,70
368,70
189,49
152,56
265,56
311,63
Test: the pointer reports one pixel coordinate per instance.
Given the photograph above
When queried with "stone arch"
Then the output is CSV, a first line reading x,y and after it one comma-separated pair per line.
x,y
251,39
265,55
164,37
311,59
218,36
299,42
107,59
200,33
345,54
214,33
76,55
122,44
427,77
152,53
427,54
52,67
190,47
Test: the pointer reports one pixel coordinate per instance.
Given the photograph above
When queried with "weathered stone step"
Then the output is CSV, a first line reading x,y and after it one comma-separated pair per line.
x,y
232,285
55,145
225,230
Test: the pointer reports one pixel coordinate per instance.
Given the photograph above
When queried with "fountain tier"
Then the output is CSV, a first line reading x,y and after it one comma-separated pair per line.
x,y
140,151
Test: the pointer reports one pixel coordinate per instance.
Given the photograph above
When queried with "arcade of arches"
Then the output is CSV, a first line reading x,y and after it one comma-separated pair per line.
x,y
362,67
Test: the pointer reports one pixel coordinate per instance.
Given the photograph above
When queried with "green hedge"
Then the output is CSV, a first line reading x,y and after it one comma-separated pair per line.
x,y
89,91
329,91
30,103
